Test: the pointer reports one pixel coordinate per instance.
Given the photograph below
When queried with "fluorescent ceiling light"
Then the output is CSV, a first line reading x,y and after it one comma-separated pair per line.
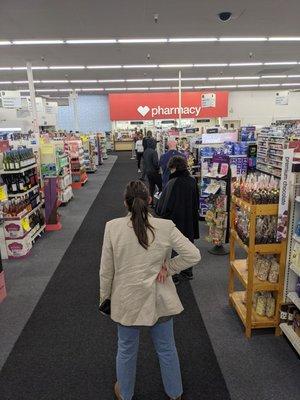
x,y
67,67
159,40
293,76
243,39
161,88
165,79
65,90
92,89
24,90
269,84
46,90
183,87
5,68
191,40
281,63
138,88
225,86
56,81
104,66
290,84
273,76
19,68
284,38
176,65
246,77
43,67
91,41
211,65
21,42
220,78
20,82
204,87
246,86
116,89
193,79
110,80
83,81
5,82
139,80
5,43
141,66
250,64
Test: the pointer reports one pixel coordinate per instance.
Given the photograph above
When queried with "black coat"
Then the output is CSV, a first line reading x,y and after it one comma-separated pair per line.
x,y
179,202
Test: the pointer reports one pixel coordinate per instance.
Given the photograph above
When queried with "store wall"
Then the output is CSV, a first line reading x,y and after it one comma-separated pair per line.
x,y
93,113
12,118
258,107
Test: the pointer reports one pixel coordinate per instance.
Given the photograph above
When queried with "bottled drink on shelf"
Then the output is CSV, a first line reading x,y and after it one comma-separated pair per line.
x,y
17,159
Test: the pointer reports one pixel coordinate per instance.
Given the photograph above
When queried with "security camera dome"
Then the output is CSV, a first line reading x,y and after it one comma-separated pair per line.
x,y
225,16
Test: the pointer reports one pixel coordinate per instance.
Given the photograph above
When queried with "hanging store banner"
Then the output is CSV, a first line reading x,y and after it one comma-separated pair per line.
x,y
282,225
149,106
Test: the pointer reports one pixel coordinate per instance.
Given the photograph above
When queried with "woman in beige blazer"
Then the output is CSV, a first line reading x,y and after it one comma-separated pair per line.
x,y
136,275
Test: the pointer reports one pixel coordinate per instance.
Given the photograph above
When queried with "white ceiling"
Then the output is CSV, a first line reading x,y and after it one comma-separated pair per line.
x,y
92,19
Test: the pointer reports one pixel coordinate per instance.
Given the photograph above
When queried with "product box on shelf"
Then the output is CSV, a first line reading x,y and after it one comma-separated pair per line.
x,y
2,287
16,229
17,248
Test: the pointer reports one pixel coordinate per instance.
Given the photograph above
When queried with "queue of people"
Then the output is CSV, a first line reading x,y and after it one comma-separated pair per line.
x,y
143,258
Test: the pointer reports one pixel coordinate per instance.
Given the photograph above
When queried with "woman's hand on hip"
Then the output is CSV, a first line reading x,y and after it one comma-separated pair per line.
x,y
163,274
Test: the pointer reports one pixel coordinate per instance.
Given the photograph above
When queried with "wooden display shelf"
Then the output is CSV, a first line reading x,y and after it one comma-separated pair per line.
x,y
241,270
257,321
269,248
260,209
244,269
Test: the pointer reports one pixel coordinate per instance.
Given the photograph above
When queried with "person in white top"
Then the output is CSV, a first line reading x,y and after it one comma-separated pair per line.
x,y
139,150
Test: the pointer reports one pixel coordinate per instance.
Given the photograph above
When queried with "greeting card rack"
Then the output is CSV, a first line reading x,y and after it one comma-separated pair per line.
x,y
243,269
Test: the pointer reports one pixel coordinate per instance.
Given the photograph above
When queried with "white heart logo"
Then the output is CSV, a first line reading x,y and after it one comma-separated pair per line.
x,y
143,110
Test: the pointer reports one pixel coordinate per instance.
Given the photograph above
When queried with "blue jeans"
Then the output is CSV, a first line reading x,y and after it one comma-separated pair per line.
x,y
164,342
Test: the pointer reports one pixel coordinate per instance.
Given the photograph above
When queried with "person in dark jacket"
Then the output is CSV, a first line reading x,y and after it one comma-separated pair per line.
x,y
151,167
145,144
165,158
179,202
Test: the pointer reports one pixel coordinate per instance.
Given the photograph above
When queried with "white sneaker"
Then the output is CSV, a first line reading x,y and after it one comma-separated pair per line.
x,y
139,170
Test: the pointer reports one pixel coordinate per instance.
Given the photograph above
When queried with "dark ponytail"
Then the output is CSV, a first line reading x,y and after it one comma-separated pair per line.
x,y
137,197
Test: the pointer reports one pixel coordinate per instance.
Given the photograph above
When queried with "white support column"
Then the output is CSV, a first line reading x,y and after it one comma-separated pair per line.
x,y
34,113
75,110
179,100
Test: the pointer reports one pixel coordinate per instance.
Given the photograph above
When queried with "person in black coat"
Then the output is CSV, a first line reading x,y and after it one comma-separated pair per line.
x,y
179,202
151,167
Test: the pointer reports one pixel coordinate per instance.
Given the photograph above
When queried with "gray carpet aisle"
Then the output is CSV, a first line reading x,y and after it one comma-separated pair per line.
x,y
67,350
265,367
26,279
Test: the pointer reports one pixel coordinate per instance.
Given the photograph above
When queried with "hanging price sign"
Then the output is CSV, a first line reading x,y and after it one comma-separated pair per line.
x,y
25,224
3,193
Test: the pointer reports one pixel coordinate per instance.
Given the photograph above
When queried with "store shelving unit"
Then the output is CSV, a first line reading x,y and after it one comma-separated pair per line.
x,y
244,269
270,148
292,272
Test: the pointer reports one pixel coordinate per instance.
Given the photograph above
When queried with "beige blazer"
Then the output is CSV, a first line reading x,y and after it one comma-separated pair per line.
x,y
128,272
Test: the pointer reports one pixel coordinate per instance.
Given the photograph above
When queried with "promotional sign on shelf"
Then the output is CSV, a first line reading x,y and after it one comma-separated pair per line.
x,y
149,106
285,182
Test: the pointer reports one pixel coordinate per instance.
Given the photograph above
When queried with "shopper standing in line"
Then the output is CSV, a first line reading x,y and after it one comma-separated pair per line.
x,y
151,166
165,158
139,148
147,137
179,202
135,280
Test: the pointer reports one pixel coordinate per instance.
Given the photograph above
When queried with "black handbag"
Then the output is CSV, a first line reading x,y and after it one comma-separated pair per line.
x,y
104,307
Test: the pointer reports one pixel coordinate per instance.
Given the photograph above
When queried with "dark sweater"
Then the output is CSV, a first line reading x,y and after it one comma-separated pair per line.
x,y
179,202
